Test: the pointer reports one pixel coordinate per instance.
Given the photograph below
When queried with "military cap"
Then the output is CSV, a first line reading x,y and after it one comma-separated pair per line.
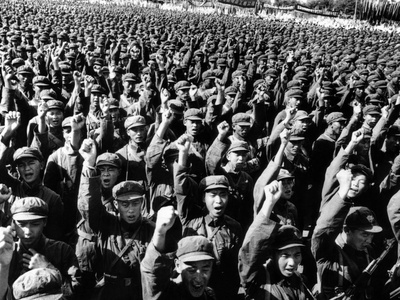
x,y
237,73
170,152
287,236
27,152
395,74
176,106
231,90
97,88
66,122
371,110
296,138
361,169
114,103
30,48
335,117
360,84
294,93
241,119
271,73
38,283
193,114
381,84
55,104
373,77
391,64
29,208
301,115
25,70
182,85
171,78
146,70
195,248
381,62
284,174
98,61
362,218
108,159
41,81
221,62
213,182
37,56
209,74
70,56
212,58
300,69
128,190
198,53
134,121
17,62
263,57
238,146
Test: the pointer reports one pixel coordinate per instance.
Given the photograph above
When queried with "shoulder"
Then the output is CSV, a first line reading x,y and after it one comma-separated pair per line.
x,y
232,223
49,194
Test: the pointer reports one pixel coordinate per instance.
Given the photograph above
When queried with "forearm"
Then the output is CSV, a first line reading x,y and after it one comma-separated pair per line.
x,y
4,271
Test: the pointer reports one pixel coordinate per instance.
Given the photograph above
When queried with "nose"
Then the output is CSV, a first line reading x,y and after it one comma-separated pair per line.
x,y
290,262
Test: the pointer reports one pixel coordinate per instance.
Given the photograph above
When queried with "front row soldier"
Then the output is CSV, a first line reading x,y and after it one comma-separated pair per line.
x,y
202,211
33,250
122,239
342,243
271,254
194,263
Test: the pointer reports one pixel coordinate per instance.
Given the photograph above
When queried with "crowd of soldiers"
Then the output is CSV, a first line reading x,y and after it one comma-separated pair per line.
x,y
152,154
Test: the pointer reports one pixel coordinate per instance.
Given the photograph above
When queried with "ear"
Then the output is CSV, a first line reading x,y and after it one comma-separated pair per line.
x,y
41,165
184,122
116,203
228,156
119,172
45,222
178,265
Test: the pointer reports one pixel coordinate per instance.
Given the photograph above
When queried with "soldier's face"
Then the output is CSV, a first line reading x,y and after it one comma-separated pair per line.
x,y
195,275
359,239
108,176
358,185
288,260
137,134
130,211
216,201
287,188
29,231
29,169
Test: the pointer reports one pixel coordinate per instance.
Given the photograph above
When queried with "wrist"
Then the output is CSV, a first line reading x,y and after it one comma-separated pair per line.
x,y
89,164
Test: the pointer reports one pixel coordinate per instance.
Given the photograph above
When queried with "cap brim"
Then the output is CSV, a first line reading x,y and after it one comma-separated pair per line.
x,y
290,246
195,257
26,156
107,163
285,177
135,125
27,216
194,118
374,229
238,149
129,197
296,138
216,186
243,123
45,296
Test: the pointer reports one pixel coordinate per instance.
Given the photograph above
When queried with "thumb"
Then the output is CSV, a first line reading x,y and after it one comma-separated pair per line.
x,y
33,251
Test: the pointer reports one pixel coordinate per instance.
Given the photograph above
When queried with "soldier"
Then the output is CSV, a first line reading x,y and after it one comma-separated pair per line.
x,y
122,239
32,249
194,264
